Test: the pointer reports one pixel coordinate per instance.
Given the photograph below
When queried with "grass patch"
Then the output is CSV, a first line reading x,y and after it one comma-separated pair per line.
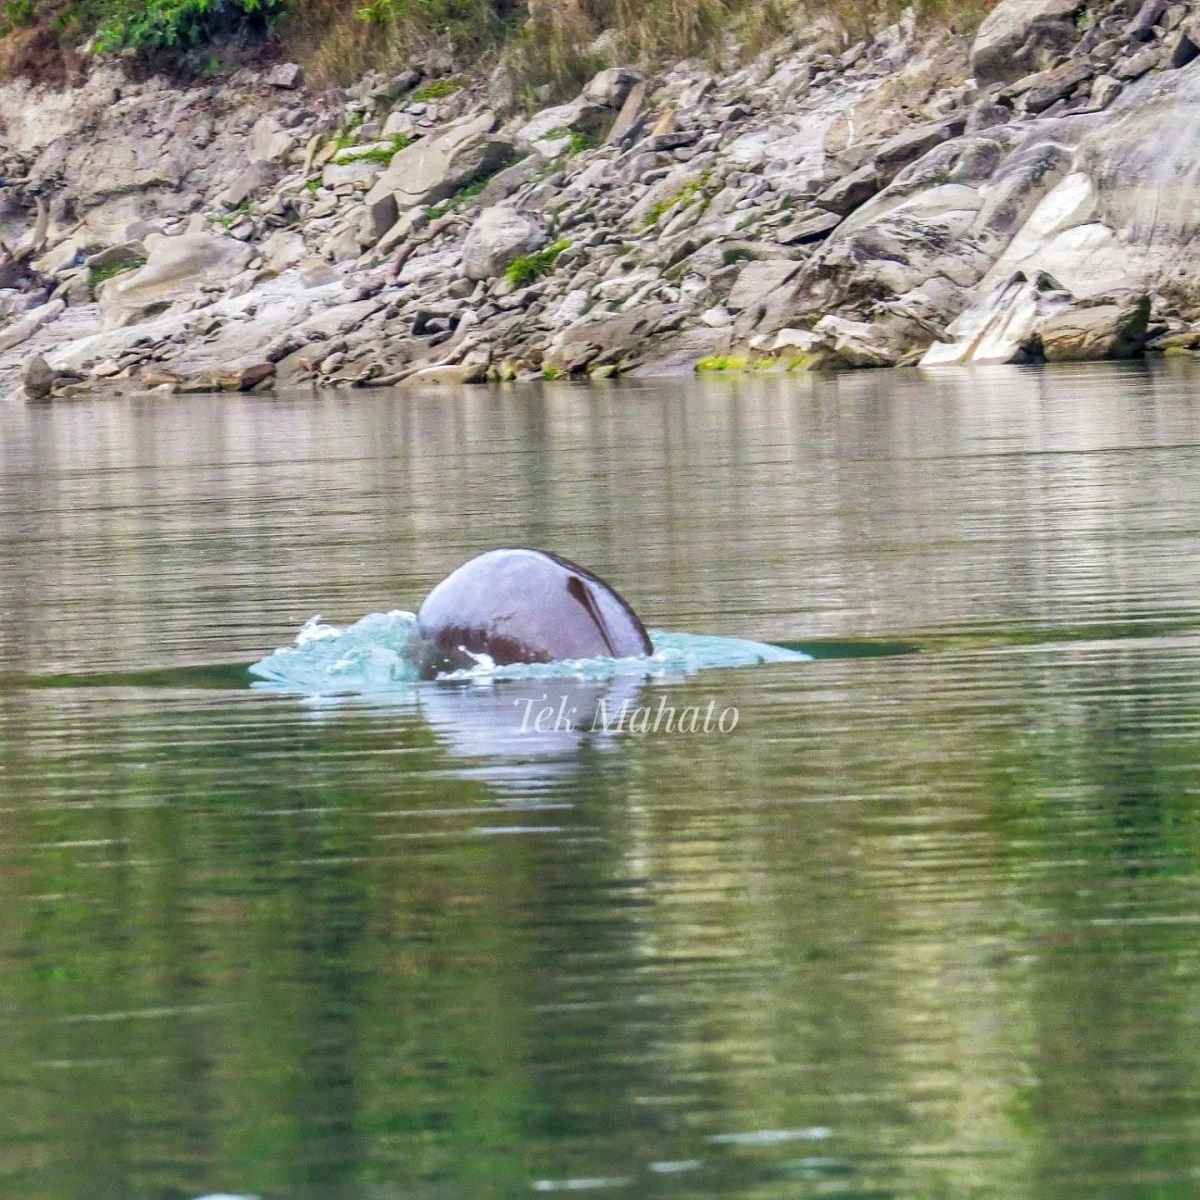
x,y
103,274
697,190
581,143
529,267
463,196
230,219
551,373
436,89
379,154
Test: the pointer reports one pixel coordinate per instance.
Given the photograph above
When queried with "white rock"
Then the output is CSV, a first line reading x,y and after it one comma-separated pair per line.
x,y
175,270
499,236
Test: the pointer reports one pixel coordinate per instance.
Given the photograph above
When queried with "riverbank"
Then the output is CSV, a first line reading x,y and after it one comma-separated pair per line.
x,y
919,197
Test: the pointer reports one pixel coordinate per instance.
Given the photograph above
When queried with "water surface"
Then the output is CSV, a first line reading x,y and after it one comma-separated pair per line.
x,y
922,925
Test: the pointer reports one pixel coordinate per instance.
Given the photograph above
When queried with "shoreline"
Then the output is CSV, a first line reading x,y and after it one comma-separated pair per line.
x,y
916,198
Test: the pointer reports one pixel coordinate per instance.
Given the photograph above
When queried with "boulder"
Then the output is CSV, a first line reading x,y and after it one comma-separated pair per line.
x,y
269,141
757,280
580,116
248,182
883,343
611,86
852,190
1084,332
39,378
1003,325
288,76
436,167
359,173
1017,34
1039,91
809,229
127,254
499,236
175,270
504,183
897,152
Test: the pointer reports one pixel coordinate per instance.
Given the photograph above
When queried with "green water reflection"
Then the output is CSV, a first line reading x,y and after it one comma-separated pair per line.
x,y
925,925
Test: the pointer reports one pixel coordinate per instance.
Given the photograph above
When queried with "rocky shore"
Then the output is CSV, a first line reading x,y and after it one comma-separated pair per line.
x,y
1027,193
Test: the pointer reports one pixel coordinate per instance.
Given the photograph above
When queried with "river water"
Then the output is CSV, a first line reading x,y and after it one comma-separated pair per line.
x,y
924,924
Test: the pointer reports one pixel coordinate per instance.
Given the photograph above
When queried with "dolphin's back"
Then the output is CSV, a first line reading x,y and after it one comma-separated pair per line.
x,y
520,605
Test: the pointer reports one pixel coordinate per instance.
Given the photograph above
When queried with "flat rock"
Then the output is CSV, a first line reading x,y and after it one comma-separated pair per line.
x,y
809,229
176,268
436,167
849,192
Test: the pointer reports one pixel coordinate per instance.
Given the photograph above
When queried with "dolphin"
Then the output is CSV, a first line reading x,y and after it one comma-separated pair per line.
x,y
519,605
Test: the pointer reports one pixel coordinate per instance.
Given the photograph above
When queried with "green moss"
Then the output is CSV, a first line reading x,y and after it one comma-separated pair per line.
x,y
228,220
711,366
100,275
551,373
437,89
580,143
313,186
689,194
802,362
379,154
463,196
529,267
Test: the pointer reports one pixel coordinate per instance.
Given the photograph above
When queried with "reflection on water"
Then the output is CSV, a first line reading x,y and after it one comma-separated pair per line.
x,y
922,925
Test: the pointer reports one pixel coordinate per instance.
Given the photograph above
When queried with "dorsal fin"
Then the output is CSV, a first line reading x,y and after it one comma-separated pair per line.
x,y
581,592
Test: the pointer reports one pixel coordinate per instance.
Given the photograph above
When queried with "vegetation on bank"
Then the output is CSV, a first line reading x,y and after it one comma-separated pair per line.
x,y
550,45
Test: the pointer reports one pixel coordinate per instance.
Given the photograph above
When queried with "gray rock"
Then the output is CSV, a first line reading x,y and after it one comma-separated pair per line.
x,y
499,236
906,147
121,255
511,179
580,116
850,191
249,182
1136,65
288,76
1013,35
38,378
1001,326
361,173
1105,89
436,167
1141,28
1039,91
22,330
175,270
620,340
808,229
611,86
757,280
1092,331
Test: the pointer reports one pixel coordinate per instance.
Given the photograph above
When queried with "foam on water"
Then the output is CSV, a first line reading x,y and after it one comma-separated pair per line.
x,y
368,658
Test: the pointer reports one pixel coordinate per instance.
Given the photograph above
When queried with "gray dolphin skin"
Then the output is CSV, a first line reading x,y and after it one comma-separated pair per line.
x,y
518,605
